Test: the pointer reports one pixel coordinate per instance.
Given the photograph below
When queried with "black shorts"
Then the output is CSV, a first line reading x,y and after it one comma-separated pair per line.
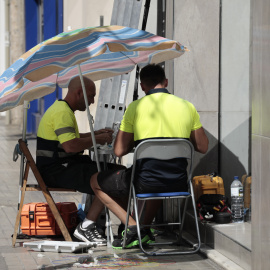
x,y
74,175
116,183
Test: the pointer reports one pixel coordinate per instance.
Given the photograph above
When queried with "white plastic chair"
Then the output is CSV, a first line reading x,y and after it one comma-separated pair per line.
x,y
165,149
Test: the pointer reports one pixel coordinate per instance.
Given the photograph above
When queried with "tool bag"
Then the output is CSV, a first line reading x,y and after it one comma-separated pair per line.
x,y
209,205
207,184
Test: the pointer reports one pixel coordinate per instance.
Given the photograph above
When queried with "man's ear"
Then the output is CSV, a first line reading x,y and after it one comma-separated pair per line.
x,y
166,83
142,86
79,93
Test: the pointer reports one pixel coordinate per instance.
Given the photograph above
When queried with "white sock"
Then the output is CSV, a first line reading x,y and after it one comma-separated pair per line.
x,y
86,222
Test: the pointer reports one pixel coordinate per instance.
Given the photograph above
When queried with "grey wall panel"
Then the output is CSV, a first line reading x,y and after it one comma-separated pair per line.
x,y
265,80
234,146
234,90
197,71
256,89
260,135
264,220
235,51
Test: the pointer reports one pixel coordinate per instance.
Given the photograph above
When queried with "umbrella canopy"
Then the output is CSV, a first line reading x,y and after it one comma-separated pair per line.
x,y
101,52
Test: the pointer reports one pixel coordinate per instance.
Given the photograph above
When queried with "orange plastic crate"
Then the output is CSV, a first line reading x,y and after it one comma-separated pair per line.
x,y
37,218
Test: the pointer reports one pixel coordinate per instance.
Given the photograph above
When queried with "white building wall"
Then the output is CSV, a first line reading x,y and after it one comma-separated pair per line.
x,y
84,13
2,36
4,41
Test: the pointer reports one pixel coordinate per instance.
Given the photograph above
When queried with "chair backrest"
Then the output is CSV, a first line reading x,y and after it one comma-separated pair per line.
x,y
165,149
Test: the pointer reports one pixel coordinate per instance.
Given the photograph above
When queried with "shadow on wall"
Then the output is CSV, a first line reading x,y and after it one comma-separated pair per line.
x,y
207,163
239,141
221,160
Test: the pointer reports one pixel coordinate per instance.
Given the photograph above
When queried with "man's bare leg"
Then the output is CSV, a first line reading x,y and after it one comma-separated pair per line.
x,y
95,209
110,203
86,230
151,209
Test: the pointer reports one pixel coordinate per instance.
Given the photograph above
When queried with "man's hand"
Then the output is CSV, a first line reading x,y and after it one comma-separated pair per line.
x,y
104,130
85,141
104,136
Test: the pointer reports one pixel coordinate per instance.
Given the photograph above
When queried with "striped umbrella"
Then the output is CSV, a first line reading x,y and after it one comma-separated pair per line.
x,y
101,52
96,53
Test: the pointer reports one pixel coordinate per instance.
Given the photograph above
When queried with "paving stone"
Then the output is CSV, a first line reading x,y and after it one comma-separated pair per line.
x,y
21,258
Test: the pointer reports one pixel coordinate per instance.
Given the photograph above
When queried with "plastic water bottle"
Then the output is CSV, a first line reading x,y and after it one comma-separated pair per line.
x,y
237,201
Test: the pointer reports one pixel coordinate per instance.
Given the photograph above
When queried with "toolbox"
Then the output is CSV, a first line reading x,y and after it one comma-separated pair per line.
x,y
37,218
207,184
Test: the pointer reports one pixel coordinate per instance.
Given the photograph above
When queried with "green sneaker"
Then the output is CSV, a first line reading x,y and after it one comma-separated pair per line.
x,y
121,229
131,238
151,233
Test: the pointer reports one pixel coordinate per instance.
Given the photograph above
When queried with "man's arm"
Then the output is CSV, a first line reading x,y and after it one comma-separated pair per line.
x,y
124,143
79,144
97,132
199,140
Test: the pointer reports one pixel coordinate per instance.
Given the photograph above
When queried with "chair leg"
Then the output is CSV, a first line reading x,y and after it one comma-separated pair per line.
x,y
137,219
183,215
127,218
57,216
110,237
165,210
196,221
17,222
180,221
140,206
45,191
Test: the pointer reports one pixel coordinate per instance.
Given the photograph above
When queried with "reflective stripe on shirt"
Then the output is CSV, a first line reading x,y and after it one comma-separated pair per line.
x,y
64,130
46,153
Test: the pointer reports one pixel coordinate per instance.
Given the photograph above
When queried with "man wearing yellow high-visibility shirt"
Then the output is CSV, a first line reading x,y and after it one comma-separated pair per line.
x,y
60,149
157,115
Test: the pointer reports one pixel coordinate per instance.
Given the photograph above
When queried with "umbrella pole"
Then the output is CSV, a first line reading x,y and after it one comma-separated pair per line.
x,y
145,16
109,230
90,117
25,108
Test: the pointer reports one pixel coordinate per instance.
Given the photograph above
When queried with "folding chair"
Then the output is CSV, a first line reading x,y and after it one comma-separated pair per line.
x,y
164,149
40,187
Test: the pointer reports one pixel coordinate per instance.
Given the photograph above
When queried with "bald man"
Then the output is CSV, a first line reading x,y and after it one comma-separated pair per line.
x,y
60,147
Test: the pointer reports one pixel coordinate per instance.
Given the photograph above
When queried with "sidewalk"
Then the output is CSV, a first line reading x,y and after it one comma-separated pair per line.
x,y
23,258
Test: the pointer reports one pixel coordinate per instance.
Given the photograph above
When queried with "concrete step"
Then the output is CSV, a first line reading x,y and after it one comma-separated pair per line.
x,y
232,240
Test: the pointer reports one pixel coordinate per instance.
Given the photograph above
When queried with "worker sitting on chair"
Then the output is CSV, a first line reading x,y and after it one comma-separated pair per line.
x,y
157,115
60,147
